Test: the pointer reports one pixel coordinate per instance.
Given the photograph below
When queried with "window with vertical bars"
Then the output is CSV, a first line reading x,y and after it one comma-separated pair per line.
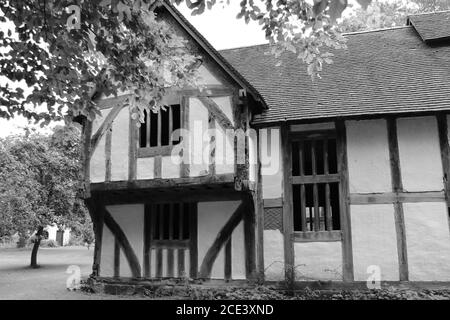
x,y
315,182
157,129
171,222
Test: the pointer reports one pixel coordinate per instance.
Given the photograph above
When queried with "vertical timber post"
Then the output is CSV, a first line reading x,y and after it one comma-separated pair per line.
x,y
347,251
288,226
397,186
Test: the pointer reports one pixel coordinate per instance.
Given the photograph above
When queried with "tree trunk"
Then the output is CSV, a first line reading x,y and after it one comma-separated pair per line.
x,y
36,244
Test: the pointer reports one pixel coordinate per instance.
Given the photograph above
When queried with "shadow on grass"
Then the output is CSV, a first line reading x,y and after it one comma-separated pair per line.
x,y
41,267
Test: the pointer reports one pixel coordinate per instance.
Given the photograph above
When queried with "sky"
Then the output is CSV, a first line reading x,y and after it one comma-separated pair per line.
x,y
218,25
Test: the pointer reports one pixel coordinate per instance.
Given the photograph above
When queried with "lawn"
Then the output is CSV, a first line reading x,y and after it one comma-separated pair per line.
x,y
19,281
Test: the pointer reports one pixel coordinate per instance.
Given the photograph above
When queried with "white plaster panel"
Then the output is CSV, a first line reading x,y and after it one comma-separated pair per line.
x,y
374,241
226,105
124,267
206,77
427,241
252,157
212,216
170,167
97,162
273,255
187,264
420,157
120,146
152,263
224,151
271,162
145,168
107,253
199,138
368,156
238,253
318,261
131,219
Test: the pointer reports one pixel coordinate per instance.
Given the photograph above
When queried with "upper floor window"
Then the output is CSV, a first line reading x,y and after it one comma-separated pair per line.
x,y
315,182
157,129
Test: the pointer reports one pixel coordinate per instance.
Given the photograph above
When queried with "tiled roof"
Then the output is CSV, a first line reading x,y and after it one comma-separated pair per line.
x,y
432,26
381,72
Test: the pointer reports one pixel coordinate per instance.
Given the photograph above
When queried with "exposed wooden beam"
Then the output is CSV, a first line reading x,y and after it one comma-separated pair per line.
x,y
217,113
193,245
181,195
157,167
400,197
163,183
107,123
317,236
133,146
445,151
228,261
212,143
347,251
86,155
185,157
250,240
96,211
288,219
116,258
125,245
108,144
148,235
259,212
222,237
397,186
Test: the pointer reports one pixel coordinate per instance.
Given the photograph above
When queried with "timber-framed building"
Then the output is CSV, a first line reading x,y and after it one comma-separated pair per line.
x,y
346,176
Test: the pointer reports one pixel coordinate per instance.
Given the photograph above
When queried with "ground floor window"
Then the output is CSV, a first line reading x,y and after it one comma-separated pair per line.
x,y
171,221
315,182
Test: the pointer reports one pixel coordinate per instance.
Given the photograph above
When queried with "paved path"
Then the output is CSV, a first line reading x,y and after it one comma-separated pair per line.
x,y
19,281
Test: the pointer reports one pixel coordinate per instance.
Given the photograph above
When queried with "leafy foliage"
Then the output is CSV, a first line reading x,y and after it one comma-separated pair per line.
x,y
121,46
39,181
387,14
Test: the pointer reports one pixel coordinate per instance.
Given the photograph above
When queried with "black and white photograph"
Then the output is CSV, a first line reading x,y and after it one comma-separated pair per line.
x,y
226,157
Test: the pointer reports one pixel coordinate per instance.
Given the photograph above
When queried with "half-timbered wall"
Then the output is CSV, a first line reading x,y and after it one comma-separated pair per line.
x,y
311,260
272,180
373,225
396,204
426,223
399,216
211,218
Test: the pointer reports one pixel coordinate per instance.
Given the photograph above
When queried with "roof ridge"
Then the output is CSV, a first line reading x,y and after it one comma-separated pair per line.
x,y
425,13
375,30
344,34
244,47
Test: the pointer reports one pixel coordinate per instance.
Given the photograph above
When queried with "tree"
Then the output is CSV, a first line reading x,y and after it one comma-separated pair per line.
x,y
39,181
386,14
121,45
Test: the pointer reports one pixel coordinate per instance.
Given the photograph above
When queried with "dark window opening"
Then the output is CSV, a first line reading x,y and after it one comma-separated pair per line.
x,y
158,127
171,222
326,220
315,184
